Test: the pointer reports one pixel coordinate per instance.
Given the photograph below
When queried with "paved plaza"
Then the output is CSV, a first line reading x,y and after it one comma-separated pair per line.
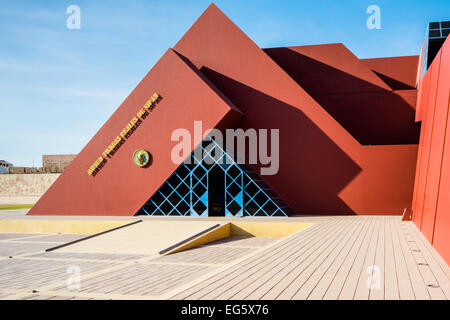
x,y
341,257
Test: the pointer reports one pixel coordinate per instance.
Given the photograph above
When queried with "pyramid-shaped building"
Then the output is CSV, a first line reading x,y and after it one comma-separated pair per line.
x,y
348,139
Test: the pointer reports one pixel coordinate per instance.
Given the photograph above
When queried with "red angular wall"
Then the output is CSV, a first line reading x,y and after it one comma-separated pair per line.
x,y
431,202
354,94
400,73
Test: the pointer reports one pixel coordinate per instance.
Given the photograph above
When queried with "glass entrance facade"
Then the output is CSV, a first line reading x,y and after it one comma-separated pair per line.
x,y
211,183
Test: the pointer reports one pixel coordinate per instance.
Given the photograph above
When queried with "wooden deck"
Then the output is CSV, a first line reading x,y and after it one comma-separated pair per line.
x,y
342,257
337,258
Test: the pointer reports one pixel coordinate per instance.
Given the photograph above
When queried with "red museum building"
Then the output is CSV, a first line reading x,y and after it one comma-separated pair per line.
x,y
356,136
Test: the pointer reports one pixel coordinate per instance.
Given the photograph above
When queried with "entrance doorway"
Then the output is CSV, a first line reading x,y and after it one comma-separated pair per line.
x,y
216,192
200,188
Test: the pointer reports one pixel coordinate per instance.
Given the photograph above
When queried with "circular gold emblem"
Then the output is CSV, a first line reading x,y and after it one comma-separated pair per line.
x,y
141,157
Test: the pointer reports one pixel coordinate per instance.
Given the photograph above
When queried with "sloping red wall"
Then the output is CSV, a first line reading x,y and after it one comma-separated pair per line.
x,y
431,203
121,187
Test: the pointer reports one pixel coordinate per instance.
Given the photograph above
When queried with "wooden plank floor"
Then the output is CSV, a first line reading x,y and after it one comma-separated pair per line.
x,y
374,257
335,258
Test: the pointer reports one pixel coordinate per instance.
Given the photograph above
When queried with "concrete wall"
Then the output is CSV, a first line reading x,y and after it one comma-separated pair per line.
x,y
24,188
56,162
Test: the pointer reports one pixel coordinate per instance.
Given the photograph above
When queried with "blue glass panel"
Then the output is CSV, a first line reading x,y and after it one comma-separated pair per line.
x,y
186,190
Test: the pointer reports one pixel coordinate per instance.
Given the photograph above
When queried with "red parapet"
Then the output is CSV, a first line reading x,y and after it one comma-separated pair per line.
x,y
400,73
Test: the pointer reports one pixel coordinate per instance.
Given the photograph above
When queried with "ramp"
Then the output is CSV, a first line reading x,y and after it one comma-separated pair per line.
x,y
262,230
145,238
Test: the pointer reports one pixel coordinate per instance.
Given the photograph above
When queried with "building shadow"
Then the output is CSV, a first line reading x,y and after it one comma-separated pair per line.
x,y
308,159
371,114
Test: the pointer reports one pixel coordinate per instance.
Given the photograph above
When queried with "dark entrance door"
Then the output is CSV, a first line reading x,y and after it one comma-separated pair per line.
x,y
216,192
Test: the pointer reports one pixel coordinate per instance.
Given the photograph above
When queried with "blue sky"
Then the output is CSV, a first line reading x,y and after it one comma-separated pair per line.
x,y
58,86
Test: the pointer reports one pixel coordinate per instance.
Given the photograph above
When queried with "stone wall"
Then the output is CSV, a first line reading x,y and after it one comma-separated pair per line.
x,y
52,163
24,188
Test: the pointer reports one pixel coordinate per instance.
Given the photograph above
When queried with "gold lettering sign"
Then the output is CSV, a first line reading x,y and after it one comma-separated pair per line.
x,y
126,132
